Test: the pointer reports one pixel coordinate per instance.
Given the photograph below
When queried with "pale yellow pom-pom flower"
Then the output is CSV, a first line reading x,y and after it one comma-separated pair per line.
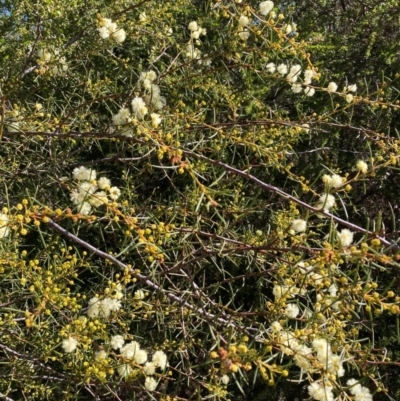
x,y
345,236
362,167
299,225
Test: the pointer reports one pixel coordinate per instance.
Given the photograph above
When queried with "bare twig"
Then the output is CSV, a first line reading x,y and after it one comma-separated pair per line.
x,y
35,361
393,246
225,320
285,195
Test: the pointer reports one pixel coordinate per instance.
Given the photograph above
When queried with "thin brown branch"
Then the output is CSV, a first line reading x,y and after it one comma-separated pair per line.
x,y
392,246
283,194
225,320
35,361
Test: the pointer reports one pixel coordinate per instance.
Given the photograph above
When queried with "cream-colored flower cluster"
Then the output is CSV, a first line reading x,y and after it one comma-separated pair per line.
x,y
152,94
122,117
69,345
139,107
195,31
305,357
312,358
292,311
131,352
309,351
362,167
333,181
350,88
359,392
90,192
265,8
289,28
308,76
293,75
152,97
103,307
108,29
326,202
345,237
192,52
332,87
321,390
299,225
283,292
4,230
51,60
327,296
243,22
139,295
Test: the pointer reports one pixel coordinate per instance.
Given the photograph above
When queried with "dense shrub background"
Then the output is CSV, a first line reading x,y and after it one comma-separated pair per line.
x,y
197,235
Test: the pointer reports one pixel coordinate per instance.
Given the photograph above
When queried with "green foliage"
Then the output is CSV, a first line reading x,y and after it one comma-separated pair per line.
x,y
169,176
